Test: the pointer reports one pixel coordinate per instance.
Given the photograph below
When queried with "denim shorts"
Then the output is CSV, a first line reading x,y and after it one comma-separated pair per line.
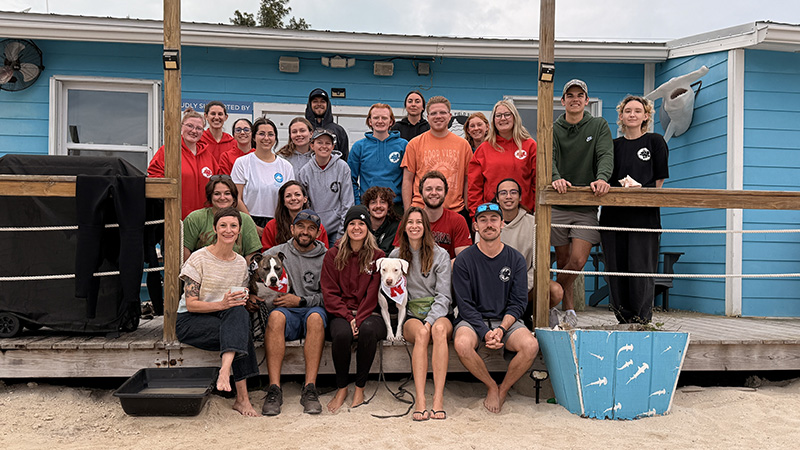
x,y
296,319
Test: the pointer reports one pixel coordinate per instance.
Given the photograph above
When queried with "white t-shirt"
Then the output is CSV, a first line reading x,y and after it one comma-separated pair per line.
x,y
261,182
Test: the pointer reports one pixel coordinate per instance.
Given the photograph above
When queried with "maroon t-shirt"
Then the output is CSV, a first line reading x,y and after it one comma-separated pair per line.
x,y
449,232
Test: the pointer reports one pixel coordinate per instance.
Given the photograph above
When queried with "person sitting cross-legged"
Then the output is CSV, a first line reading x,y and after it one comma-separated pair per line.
x,y
491,291
298,315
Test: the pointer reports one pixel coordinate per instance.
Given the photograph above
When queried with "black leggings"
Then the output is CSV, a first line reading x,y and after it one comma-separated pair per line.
x,y
370,333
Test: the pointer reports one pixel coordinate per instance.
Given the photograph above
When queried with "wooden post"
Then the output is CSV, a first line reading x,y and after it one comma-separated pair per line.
x,y
544,161
172,162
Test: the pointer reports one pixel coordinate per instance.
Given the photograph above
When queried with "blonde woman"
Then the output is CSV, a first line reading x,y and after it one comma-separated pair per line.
x,y
508,152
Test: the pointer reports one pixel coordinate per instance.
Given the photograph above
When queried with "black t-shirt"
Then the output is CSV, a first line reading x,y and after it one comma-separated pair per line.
x,y
645,160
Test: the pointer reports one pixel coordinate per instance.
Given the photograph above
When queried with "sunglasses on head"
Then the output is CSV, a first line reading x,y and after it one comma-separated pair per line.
x,y
219,177
306,216
487,207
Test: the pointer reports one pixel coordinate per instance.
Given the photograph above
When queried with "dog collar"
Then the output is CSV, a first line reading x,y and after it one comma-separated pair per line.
x,y
396,293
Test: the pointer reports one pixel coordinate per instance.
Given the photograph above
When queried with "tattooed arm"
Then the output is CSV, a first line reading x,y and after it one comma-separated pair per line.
x,y
193,304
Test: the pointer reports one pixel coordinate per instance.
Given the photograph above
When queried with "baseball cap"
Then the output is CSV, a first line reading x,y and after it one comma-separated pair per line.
x,y
488,208
307,214
575,82
320,131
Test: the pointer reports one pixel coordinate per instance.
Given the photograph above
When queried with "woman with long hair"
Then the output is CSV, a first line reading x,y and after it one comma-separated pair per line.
x,y
197,163
211,313
243,134
260,174
428,307
475,129
413,124
643,157
292,198
198,227
349,284
298,150
508,152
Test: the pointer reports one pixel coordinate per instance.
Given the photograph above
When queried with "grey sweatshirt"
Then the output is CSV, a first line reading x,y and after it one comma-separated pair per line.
x,y
304,269
330,192
436,284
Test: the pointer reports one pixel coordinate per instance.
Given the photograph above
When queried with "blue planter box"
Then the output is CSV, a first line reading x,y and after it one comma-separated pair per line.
x,y
613,374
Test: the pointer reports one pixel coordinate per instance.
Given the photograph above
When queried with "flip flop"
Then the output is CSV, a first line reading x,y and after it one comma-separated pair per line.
x,y
434,413
423,413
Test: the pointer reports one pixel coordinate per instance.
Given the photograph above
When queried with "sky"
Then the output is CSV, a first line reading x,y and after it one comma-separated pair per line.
x,y
610,20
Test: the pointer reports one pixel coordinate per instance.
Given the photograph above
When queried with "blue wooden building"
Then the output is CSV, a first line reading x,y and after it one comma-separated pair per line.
x,y
101,93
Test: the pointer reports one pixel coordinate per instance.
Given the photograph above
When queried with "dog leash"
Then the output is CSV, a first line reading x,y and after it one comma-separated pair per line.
x,y
401,390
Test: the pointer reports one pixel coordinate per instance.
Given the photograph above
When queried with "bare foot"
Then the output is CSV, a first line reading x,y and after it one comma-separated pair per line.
x,y
492,401
438,402
245,408
358,397
224,380
338,400
502,394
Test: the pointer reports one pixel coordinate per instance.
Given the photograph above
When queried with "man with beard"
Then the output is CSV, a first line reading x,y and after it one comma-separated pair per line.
x,y
298,315
318,112
491,291
382,217
449,228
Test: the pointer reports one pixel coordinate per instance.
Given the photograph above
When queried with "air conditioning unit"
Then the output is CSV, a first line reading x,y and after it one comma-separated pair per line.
x,y
383,69
289,64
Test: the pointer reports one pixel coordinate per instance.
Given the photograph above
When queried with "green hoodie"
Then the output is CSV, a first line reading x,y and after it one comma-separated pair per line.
x,y
582,153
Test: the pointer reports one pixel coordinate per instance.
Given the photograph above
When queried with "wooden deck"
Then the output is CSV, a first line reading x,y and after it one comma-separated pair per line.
x,y
716,343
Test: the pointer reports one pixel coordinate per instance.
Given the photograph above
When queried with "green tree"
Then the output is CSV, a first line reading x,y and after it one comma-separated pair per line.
x,y
270,15
243,19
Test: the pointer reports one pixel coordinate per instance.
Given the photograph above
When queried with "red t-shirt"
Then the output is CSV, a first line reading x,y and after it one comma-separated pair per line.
x,y
227,159
449,232
270,234
195,172
489,166
217,148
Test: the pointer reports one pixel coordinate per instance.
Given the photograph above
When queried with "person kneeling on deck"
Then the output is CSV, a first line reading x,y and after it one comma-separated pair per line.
x,y
211,313
298,315
491,292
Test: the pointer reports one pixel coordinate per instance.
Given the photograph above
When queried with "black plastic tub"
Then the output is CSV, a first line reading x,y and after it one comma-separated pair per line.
x,y
167,392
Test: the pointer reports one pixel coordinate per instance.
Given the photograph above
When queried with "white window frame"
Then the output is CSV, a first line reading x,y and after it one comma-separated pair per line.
x,y
299,110
58,144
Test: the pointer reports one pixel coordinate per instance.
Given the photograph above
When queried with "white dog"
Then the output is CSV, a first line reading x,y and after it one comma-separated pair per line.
x,y
393,286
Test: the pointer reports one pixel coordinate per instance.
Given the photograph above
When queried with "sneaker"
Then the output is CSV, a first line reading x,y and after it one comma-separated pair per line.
x,y
571,319
554,319
309,398
273,402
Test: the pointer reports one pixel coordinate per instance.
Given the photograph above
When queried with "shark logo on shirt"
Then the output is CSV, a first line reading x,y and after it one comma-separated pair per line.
x,y
643,154
394,157
505,274
279,177
335,186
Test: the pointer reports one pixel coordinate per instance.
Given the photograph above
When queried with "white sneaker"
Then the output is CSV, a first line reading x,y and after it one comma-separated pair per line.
x,y
554,319
571,319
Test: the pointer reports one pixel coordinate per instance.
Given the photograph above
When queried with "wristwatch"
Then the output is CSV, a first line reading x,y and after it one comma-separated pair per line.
x,y
303,302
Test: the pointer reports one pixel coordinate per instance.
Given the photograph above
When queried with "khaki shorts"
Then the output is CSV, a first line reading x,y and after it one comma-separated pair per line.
x,y
562,236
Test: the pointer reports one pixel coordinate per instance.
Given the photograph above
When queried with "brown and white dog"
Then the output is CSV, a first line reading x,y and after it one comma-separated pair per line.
x,y
393,286
268,281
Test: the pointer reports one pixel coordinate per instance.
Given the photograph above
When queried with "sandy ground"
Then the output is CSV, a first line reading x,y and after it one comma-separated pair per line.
x,y
38,415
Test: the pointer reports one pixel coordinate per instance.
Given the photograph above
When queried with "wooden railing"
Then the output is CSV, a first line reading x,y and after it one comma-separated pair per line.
x,y
674,198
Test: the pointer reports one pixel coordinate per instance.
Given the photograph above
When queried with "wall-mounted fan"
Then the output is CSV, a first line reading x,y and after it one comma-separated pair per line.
x,y
22,64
